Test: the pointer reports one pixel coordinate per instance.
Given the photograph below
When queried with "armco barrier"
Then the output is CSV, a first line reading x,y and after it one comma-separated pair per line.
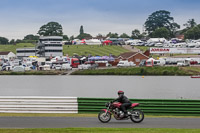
x,y
32,104
149,106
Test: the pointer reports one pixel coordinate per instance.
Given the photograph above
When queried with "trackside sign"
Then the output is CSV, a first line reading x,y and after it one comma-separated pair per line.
x,y
175,50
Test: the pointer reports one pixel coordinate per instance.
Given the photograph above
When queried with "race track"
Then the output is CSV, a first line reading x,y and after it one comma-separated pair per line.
x,y
65,122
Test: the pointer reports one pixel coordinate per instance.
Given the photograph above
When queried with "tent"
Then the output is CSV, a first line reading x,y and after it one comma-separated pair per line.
x,y
107,42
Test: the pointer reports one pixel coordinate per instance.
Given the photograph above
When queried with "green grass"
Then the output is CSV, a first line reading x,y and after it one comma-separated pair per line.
x,y
13,48
140,71
93,50
100,130
143,48
74,49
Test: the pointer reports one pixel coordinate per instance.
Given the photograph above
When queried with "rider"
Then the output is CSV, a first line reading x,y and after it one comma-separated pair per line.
x,y
125,102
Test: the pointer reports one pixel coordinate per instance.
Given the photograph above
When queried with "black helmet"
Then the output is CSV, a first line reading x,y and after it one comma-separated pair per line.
x,y
120,92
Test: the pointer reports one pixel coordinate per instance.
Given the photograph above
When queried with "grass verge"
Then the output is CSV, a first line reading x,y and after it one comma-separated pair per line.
x,y
165,71
101,130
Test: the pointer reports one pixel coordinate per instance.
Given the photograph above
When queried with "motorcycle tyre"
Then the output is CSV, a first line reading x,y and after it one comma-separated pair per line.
x,y
141,113
99,115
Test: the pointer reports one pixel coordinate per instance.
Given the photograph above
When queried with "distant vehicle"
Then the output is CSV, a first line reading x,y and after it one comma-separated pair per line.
x,y
66,67
183,62
125,64
74,62
47,67
88,65
18,69
58,67
142,63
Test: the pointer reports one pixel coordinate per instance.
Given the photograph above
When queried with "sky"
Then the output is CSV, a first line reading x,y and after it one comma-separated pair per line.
x,y
22,17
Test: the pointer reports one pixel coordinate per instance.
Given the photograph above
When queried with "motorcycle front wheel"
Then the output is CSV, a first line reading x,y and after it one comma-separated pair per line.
x,y
103,117
137,116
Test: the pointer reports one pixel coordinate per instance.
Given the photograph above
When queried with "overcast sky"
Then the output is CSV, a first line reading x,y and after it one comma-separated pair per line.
x,y
23,17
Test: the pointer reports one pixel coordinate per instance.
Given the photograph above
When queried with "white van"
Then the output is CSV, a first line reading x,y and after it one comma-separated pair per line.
x,y
125,64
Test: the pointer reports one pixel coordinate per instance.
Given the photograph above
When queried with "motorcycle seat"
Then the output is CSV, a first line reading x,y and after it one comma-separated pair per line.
x,y
134,105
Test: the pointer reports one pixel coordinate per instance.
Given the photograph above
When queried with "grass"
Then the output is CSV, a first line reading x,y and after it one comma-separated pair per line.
x,y
74,49
93,50
100,130
13,48
143,48
141,71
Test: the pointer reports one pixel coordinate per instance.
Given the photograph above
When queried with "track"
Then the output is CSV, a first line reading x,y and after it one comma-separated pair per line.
x,y
64,122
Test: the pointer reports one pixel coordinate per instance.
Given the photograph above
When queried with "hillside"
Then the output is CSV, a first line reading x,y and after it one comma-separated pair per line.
x,y
74,49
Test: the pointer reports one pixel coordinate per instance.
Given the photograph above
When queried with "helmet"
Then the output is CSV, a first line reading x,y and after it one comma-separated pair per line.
x,y
120,92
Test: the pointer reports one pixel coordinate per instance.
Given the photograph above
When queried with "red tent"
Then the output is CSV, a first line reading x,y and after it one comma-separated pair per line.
x,y
107,42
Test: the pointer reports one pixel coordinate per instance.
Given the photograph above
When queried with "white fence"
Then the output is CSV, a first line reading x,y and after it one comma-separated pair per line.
x,y
33,104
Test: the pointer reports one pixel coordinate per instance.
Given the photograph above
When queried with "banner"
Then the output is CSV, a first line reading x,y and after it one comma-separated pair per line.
x,y
174,50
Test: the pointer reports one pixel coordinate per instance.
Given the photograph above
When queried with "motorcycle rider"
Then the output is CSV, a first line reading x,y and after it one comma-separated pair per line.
x,y
125,102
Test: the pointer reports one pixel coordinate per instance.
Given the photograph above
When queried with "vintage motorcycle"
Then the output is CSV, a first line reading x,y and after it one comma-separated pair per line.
x,y
113,108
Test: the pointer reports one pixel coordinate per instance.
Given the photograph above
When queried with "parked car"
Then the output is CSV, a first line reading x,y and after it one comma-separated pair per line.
x,y
88,65
58,67
125,64
183,63
66,66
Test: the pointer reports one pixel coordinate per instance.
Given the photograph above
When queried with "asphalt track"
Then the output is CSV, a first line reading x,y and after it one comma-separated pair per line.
x,y
65,122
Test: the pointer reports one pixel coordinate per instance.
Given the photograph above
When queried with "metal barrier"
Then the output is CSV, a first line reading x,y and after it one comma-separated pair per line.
x,y
149,106
33,104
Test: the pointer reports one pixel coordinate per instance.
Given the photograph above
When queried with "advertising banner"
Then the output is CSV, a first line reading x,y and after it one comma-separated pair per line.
x,y
155,50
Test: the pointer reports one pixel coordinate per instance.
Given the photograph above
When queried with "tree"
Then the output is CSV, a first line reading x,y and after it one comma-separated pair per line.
x,y
190,24
112,35
161,19
84,36
4,40
160,33
136,34
81,30
193,33
65,37
31,37
71,38
12,41
51,29
124,35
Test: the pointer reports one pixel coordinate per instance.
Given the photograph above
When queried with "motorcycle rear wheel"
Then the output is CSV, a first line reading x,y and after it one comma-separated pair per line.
x,y
103,117
137,116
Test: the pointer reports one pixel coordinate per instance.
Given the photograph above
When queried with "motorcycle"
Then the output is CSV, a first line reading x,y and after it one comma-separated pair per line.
x,y
113,108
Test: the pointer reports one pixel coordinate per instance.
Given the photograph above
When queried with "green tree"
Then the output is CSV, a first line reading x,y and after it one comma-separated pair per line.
x,y
84,36
160,33
193,33
190,24
51,29
136,34
71,38
65,37
81,29
124,35
161,19
4,40
12,41
31,37
112,35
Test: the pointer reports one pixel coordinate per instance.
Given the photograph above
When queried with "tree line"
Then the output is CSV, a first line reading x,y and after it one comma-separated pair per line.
x,y
159,24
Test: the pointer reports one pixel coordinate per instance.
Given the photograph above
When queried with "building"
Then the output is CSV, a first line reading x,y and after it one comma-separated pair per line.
x,y
135,57
7,55
26,52
50,46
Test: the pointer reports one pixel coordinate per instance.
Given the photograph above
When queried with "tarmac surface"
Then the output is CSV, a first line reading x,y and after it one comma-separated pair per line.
x,y
67,122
